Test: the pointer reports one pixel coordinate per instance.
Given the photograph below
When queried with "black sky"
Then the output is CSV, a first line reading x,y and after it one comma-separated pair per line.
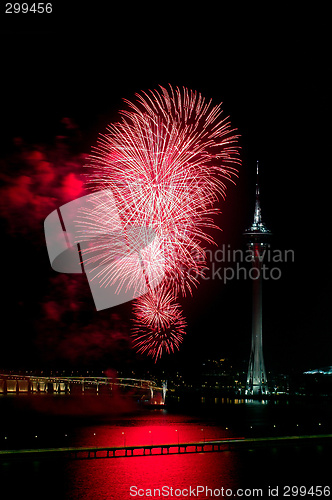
x,y
270,70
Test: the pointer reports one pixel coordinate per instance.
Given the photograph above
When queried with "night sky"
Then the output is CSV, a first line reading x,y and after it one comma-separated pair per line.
x,y
270,70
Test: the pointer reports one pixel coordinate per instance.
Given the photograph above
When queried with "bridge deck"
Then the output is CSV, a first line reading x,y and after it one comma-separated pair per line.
x,y
161,449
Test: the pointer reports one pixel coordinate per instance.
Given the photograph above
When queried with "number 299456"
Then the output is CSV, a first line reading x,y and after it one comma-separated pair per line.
x,y
26,8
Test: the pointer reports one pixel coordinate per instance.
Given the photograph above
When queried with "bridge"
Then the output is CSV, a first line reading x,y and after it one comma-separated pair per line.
x,y
229,444
16,384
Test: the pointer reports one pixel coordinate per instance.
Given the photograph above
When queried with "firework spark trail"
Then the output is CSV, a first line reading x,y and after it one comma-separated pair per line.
x,y
165,164
159,325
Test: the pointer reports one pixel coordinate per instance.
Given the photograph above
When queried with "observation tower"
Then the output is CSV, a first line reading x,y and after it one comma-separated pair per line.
x,y
257,237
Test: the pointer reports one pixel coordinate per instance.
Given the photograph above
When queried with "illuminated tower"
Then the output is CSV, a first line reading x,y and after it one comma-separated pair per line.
x,y
257,237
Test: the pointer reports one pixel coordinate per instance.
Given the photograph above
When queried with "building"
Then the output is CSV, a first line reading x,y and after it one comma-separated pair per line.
x,y
257,237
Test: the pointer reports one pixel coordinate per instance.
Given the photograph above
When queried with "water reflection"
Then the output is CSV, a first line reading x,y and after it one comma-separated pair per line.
x,y
149,428
112,478
108,479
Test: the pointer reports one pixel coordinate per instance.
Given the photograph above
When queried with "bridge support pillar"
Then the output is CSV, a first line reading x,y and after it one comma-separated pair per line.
x,y
3,386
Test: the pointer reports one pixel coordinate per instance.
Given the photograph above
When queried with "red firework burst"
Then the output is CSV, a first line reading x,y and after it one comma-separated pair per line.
x,y
159,325
165,164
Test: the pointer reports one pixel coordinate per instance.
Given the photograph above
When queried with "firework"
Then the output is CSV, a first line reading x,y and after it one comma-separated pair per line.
x,y
165,164
159,325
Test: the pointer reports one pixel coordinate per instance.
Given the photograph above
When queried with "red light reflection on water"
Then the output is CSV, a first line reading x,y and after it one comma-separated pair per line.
x,y
113,477
150,429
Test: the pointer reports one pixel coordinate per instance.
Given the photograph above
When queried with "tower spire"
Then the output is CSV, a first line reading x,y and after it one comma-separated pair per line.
x,y
257,214
258,225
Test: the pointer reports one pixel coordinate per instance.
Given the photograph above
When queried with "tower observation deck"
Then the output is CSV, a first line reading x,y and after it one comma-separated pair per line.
x,y
257,237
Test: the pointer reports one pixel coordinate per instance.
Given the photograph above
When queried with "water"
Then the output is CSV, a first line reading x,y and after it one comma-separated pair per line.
x,y
33,421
